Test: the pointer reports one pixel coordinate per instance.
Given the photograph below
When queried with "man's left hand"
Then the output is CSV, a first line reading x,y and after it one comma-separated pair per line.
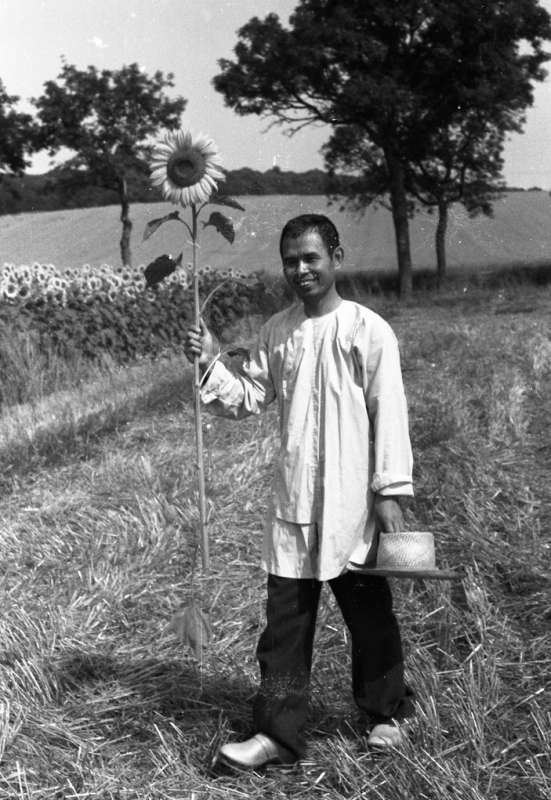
x,y
389,514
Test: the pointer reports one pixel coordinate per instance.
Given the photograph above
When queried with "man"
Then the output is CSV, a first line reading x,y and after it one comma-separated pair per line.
x,y
333,368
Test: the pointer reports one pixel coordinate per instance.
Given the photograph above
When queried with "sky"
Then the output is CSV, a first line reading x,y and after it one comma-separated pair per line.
x,y
187,37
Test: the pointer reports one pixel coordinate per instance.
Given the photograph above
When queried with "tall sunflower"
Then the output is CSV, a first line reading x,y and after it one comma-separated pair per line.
x,y
186,168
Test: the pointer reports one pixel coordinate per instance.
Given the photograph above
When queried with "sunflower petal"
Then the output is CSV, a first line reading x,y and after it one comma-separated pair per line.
x,y
157,177
215,174
194,194
207,186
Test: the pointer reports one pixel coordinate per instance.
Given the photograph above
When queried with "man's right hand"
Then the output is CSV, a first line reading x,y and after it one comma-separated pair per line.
x,y
201,343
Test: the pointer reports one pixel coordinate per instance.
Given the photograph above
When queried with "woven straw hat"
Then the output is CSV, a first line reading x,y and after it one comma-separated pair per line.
x,y
408,554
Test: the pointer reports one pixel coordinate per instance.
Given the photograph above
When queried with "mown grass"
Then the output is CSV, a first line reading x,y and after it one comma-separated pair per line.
x,y
99,537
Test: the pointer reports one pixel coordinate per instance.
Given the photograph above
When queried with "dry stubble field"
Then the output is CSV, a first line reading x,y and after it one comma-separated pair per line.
x,y
98,536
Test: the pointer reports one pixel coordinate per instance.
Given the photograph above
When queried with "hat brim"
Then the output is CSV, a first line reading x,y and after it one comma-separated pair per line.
x,y
436,574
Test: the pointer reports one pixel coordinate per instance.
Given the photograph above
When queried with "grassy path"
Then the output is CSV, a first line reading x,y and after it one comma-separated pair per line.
x,y
100,700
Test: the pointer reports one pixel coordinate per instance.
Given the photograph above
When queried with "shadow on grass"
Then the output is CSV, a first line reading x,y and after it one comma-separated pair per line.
x,y
183,692
169,687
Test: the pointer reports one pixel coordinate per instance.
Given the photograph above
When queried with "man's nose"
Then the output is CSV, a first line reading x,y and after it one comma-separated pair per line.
x,y
302,266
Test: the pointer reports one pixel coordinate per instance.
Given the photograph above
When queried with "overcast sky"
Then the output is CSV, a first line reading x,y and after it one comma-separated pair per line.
x,y
187,37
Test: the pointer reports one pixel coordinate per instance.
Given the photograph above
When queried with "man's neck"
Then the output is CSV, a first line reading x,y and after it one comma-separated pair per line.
x,y
323,306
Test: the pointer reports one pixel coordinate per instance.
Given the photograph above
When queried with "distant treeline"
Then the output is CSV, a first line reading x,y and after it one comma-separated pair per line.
x,y
69,188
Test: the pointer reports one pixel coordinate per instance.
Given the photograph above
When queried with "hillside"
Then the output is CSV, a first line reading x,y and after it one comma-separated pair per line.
x,y
519,233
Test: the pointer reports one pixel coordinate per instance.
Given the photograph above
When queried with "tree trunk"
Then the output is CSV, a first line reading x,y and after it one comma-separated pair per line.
x,y
126,254
399,204
440,242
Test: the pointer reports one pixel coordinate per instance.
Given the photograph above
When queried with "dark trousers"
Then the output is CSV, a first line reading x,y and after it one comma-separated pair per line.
x,y
285,654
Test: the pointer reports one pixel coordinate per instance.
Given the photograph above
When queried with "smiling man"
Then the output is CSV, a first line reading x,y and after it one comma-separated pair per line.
x,y
309,265
333,368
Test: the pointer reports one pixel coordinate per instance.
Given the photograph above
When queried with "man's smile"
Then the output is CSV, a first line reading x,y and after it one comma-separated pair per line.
x,y
305,281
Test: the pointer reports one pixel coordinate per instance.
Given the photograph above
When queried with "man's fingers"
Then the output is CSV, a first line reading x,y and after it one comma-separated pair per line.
x,y
200,343
394,526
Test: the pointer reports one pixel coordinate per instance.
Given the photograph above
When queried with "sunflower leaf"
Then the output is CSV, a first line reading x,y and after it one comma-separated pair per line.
x,y
159,269
192,627
223,225
225,200
152,226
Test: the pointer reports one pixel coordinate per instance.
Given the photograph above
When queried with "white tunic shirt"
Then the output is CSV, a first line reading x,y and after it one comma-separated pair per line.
x,y
343,427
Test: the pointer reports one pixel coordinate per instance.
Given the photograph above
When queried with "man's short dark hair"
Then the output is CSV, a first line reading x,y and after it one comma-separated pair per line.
x,y
311,222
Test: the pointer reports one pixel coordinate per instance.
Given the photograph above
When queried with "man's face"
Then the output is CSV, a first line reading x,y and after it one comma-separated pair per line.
x,y
308,267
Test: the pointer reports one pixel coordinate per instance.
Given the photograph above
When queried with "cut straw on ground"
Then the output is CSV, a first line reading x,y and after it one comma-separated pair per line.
x,y
101,700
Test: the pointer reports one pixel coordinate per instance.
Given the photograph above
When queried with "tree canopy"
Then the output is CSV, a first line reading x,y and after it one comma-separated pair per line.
x,y
16,134
108,119
398,73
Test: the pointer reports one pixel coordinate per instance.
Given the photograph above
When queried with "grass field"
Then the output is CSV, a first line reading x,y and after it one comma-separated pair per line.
x,y
519,233
98,698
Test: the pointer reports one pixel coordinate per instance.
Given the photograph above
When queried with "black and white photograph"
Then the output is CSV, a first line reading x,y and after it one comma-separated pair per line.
x,y
275,400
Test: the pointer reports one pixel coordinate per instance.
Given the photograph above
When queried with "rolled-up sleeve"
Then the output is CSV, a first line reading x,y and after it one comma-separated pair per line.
x,y
387,408
243,392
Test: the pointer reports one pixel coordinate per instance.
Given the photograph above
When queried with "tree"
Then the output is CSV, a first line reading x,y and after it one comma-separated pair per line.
x,y
107,118
397,71
464,166
16,134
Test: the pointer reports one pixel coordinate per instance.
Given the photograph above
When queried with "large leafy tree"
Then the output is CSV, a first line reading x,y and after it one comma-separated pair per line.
x,y
396,71
108,118
16,134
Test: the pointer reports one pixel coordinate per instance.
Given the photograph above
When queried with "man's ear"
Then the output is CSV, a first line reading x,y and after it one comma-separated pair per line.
x,y
338,257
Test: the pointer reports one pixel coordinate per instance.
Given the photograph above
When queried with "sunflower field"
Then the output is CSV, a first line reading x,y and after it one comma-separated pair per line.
x,y
91,311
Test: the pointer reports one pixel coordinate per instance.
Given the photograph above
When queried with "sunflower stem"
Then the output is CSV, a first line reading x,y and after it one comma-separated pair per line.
x,y
187,226
198,422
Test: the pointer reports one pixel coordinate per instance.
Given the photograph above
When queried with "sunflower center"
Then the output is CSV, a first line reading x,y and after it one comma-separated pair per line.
x,y
185,168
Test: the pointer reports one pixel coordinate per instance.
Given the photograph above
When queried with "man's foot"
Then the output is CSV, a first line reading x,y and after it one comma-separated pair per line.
x,y
387,734
256,752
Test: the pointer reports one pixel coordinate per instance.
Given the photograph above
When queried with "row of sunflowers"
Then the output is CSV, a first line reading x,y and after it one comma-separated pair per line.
x,y
27,283
122,310
44,282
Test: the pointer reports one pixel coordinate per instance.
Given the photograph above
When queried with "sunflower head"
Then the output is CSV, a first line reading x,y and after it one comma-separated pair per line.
x,y
186,168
